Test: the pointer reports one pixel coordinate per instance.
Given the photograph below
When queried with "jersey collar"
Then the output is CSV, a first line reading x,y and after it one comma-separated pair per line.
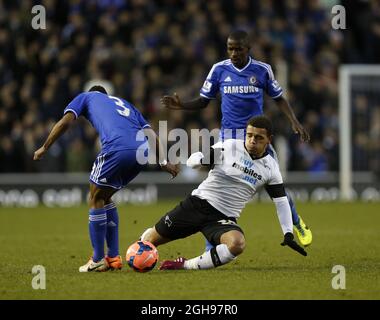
x,y
245,67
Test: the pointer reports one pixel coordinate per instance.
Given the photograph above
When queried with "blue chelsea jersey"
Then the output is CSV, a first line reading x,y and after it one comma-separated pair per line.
x,y
116,121
241,90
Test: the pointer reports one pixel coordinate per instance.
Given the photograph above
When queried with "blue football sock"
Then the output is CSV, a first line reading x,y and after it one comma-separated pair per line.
x,y
97,228
112,234
295,217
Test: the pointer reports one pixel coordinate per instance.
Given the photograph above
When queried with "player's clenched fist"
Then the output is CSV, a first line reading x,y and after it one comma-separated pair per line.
x,y
39,153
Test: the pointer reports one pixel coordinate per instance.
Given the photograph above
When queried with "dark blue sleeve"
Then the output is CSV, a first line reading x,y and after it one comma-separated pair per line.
x,y
211,85
273,88
78,105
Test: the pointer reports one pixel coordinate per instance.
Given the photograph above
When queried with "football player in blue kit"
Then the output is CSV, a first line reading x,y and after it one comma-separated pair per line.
x,y
241,82
118,124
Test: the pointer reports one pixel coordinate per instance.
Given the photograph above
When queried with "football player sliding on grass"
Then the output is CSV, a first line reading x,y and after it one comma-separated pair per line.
x,y
239,169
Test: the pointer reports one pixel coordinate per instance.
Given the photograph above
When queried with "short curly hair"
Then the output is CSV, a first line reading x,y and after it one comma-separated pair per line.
x,y
261,122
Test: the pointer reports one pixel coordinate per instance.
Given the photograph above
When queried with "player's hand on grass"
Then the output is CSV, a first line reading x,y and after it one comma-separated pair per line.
x,y
173,169
38,155
299,129
289,241
171,102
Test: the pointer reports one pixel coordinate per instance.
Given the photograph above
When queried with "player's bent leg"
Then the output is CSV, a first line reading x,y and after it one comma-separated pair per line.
x,y
154,237
232,244
98,225
209,245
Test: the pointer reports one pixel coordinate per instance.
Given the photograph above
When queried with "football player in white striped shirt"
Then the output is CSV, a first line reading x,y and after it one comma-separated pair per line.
x,y
239,169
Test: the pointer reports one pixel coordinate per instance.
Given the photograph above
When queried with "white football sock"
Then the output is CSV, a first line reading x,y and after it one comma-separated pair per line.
x,y
211,259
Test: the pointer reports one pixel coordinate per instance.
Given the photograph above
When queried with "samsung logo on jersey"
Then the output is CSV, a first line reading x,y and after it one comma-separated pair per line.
x,y
240,89
248,171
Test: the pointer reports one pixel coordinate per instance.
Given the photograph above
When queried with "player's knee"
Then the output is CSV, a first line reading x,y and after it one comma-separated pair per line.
x,y
236,246
235,241
97,200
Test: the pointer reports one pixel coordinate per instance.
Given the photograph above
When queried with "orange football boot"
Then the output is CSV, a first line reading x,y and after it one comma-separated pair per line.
x,y
115,263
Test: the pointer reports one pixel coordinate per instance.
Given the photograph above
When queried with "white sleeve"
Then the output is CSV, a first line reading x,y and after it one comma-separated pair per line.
x,y
284,214
194,160
276,177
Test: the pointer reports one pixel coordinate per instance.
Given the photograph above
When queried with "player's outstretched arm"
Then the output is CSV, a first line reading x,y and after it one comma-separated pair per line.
x,y
174,102
278,195
59,129
297,127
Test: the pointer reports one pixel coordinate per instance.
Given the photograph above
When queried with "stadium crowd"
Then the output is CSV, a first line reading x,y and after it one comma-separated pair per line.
x,y
146,49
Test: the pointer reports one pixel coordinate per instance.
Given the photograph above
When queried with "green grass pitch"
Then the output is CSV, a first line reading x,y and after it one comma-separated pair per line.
x,y
57,238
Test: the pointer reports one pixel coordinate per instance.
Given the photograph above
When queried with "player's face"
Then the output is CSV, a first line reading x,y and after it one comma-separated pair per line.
x,y
256,141
238,52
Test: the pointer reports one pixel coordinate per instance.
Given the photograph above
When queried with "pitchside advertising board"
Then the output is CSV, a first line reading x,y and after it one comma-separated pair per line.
x,y
57,196
63,190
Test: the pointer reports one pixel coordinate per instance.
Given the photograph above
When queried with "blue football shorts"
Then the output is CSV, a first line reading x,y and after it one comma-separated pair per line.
x,y
115,169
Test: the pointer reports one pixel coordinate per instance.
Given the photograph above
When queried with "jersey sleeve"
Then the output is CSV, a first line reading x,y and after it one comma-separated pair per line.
x,y
276,177
275,186
213,156
77,106
272,87
137,115
141,120
211,85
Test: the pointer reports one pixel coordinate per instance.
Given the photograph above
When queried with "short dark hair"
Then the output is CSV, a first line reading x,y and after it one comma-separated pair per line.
x,y
98,88
240,35
261,122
